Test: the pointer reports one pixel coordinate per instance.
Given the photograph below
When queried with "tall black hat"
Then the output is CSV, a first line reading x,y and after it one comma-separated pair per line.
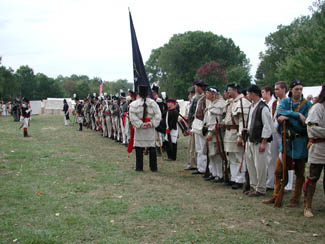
x,y
143,91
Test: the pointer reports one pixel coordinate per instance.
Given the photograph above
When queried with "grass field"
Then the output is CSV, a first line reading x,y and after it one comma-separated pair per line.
x,y
66,186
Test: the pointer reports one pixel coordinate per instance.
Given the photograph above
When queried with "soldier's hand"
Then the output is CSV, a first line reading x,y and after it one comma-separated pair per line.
x,y
208,138
240,143
261,148
282,118
302,118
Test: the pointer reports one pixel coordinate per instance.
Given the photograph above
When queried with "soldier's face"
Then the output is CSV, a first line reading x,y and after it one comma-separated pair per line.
x,y
279,92
297,92
198,89
210,95
265,95
232,92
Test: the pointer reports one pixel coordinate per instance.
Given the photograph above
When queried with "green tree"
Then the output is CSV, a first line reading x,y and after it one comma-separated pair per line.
x,y
176,63
47,87
307,62
26,78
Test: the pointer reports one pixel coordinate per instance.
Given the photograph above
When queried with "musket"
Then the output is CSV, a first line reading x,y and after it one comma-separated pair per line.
x,y
221,150
284,180
207,171
247,185
161,151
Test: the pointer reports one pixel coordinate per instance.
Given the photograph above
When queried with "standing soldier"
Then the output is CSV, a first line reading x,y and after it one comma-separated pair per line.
x,y
26,112
161,129
191,154
103,117
66,112
197,127
16,109
172,129
212,116
115,118
236,117
316,133
108,118
80,113
123,112
259,131
292,111
145,116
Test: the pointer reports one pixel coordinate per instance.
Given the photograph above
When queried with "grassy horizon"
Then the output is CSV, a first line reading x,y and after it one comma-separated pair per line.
x,y
66,186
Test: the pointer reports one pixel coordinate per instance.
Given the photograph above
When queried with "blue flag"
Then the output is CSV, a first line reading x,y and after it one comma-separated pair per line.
x,y
139,72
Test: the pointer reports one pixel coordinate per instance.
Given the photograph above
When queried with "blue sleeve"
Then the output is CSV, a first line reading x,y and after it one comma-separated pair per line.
x,y
285,110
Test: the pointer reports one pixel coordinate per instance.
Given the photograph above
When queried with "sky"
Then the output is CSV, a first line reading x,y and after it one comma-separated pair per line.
x,y
92,37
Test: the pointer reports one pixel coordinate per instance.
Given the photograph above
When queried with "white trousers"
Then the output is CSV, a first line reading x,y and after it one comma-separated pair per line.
x,y
201,158
104,127
215,166
256,163
234,159
273,148
108,126
66,122
26,122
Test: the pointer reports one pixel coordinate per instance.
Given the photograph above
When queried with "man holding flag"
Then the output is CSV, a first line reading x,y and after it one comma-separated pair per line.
x,y
144,112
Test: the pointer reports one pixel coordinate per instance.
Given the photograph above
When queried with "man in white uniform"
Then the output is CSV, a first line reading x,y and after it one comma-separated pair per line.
x,y
145,116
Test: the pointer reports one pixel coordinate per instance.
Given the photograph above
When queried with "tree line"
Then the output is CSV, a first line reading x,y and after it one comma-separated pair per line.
x,y
24,83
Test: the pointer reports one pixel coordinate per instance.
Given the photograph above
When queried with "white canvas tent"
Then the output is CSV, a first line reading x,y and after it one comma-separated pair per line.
x,y
55,105
36,107
311,90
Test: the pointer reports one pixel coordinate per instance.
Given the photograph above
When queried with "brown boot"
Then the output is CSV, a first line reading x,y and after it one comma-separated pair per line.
x,y
277,185
310,190
297,192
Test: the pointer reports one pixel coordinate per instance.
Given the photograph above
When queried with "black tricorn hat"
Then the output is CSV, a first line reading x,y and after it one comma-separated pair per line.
x,y
143,91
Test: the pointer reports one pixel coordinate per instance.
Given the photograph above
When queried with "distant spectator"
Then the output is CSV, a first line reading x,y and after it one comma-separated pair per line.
x,y
4,109
309,97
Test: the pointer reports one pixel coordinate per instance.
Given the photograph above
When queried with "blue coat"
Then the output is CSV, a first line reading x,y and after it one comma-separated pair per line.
x,y
297,143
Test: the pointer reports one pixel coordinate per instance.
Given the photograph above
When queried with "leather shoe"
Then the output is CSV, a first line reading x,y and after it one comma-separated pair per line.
x,y
190,168
197,173
237,186
210,178
218,180
228,183
255,194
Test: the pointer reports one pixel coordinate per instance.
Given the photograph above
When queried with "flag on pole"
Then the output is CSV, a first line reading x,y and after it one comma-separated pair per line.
x,y
101,88
139,72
